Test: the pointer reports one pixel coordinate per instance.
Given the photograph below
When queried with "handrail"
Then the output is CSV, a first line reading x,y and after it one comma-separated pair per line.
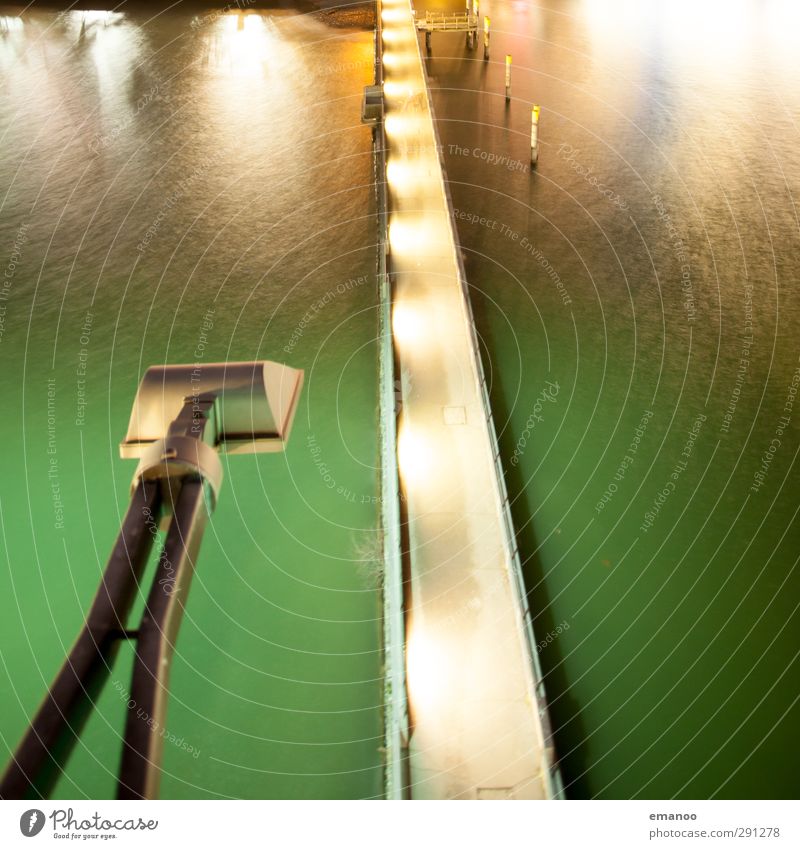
x,y
395,701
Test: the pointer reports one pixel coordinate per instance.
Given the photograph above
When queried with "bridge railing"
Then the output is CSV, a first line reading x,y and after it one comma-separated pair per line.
x,y
395,699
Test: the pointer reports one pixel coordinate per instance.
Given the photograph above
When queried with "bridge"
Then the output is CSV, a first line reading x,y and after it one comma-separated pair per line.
x,y
476,725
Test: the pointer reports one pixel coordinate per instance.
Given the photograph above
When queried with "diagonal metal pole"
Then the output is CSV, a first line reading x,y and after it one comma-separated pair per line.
x,y
140,771
41,755
178,470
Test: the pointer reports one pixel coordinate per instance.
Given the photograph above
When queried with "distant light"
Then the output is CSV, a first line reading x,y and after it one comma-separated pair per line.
x,y
391,88
246,45
92,16
396,172
392,15
391,59
402,174
400,125
395,36
253,22
95,16
10,23
419,236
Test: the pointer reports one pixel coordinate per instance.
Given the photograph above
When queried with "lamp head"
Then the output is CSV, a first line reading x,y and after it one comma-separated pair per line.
x,y
255,403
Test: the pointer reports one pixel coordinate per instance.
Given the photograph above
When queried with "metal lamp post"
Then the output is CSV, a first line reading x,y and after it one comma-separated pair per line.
x,y
182,417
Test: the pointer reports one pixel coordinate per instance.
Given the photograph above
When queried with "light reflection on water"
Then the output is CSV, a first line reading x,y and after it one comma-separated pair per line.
x,y
716,35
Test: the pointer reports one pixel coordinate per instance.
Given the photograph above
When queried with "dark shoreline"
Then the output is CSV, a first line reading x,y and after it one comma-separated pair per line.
x,y
360,14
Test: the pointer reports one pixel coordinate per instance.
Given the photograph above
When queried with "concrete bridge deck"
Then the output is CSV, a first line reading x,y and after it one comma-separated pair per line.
x,y
479,725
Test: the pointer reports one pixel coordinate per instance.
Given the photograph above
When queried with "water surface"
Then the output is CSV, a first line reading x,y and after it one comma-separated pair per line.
x,y
195,187
648,270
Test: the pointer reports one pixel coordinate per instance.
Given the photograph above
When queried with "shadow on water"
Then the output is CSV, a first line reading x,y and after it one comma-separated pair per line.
x,y
568,729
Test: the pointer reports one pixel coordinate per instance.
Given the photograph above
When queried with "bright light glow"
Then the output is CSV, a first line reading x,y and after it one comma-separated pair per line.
x,y
243,45
395,89
397,172
405,238
393,124
416,237
114,50
397,36
239,22
93,16
428,670
407,324
714,34
711,32
100,17
782,26
406,175
389,16
10,23
415,458
402,125
393,60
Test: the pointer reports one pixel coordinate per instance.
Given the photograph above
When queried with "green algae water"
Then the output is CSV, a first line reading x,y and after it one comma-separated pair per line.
x,y
189,187
638,307
185,188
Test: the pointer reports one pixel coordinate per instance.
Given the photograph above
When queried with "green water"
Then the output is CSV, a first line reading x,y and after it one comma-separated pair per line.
x,y
673,666
677,674
195,189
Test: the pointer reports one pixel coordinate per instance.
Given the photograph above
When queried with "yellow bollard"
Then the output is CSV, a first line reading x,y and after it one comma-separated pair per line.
x,y
508,76
485,38
534,134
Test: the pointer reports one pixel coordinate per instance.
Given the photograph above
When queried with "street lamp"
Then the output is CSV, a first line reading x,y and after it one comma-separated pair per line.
x,y
182,417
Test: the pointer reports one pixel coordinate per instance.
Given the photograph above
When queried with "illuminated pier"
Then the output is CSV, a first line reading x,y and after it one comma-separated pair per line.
x,y
479,724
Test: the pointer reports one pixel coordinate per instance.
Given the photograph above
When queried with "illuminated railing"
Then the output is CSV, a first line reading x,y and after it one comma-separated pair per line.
x,y
510,536
425,255
395,701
